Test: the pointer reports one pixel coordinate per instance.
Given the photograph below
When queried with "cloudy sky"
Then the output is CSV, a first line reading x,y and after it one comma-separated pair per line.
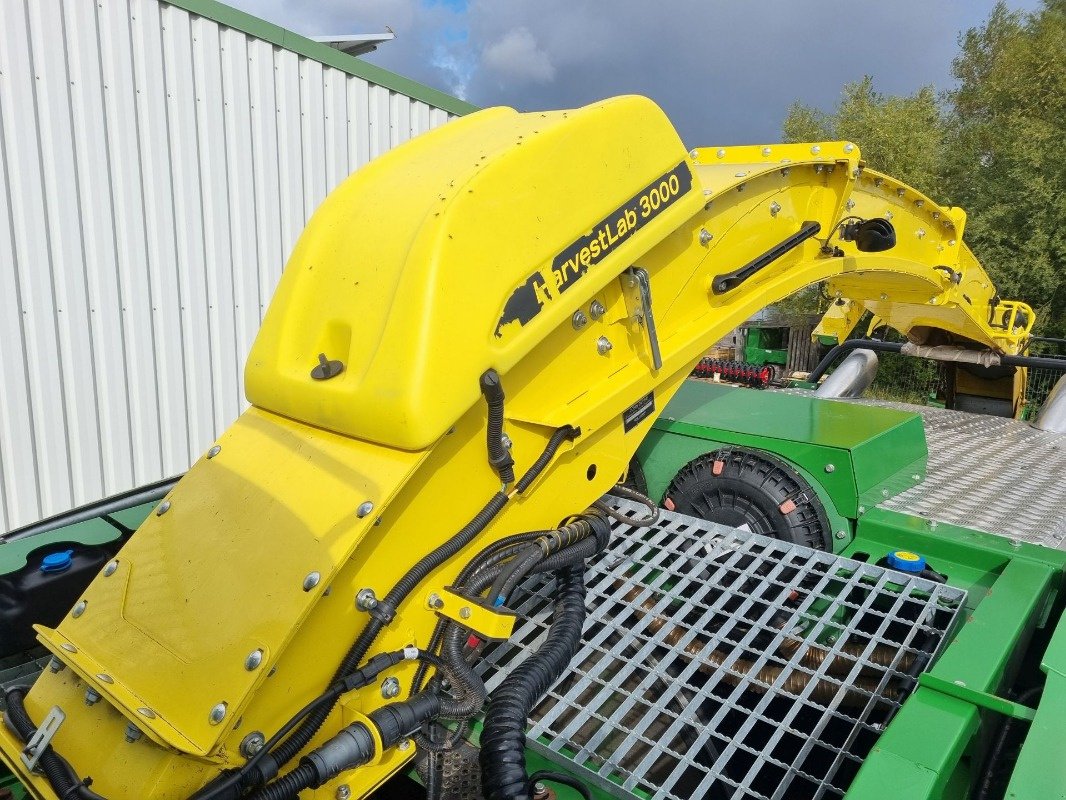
x,y
725,72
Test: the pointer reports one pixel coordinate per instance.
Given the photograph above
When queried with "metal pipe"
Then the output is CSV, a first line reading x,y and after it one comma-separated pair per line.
x,y
1044,362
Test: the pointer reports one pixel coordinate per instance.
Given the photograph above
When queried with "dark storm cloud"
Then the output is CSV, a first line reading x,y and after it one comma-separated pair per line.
x,y
724,72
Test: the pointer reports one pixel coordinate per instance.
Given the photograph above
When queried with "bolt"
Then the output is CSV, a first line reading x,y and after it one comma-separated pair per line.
x,y
849,147
933,524
92,697
311,581
884,296
815,150
364,508
404,744
133,733
720,153
919,203
540,791
79,609
604,346
832,640
164,507
579,320
390,688
255,658
916,477
900,192
217,713
850,204
841,535
343,792
920,233
214,451
505,440
366,600
766,151
862,509
252,744
830,468
435,601
596,310
705,236
109,570
464,612
55,665
884,492
775,207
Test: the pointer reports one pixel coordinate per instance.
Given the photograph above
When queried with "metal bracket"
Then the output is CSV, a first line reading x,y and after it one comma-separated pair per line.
x,y
40,740
991,702
638,279
494,624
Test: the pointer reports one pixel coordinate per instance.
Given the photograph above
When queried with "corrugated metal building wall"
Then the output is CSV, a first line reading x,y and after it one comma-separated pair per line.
x,y
158,162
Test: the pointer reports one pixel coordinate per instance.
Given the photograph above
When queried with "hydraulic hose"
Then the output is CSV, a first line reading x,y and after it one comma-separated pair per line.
x,y
503,740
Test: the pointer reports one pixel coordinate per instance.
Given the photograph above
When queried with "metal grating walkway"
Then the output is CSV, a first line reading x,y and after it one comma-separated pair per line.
x,y
723,664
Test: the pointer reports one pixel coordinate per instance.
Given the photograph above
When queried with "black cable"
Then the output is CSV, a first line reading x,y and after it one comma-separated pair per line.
x,y
565,780
503,738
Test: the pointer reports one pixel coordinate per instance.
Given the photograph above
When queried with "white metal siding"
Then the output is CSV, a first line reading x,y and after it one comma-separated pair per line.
x,y
157,168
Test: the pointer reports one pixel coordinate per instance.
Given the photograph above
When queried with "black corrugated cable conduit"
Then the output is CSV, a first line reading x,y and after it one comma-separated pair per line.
x,y
499,456
503,739
386,607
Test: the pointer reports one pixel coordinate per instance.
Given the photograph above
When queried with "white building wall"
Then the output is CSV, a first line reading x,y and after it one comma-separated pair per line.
x,y
156,169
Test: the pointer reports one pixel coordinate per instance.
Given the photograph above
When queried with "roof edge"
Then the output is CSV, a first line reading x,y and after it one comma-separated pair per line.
x,y
283,37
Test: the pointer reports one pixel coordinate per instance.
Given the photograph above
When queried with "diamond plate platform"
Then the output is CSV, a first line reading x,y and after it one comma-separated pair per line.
x,y
992,474
722,664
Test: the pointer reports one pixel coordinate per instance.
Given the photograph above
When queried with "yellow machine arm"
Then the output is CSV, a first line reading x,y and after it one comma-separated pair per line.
x,y
584,259
942,296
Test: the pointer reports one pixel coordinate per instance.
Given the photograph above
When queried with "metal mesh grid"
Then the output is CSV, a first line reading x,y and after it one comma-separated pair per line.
x,y
722,664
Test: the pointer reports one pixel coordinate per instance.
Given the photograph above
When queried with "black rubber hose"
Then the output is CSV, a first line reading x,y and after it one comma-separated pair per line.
x,y
995,753
503,739
499,456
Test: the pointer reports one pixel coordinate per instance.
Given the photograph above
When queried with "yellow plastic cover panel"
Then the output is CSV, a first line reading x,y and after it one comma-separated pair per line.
x,y
247,542
458,252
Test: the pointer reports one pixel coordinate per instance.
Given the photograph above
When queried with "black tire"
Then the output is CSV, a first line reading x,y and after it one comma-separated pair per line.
x,y
740,487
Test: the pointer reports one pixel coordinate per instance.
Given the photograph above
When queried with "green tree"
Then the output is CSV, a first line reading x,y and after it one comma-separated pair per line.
x,y
903,136
1003,155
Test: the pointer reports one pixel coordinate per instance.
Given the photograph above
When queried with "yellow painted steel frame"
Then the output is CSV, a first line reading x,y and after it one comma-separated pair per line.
x,y
472,246
956,296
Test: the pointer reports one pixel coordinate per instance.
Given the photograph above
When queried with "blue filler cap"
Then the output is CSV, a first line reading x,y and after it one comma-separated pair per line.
x,y
57,562
906,561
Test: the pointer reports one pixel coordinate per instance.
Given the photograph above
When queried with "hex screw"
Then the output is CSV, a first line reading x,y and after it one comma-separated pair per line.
x,y
252,744
133,733
92,697
366,600
604,346
775,208
597,310
404,744
830,468
55,665
390,688
705,236
464,612
841,535
435,601
343,792
579,320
